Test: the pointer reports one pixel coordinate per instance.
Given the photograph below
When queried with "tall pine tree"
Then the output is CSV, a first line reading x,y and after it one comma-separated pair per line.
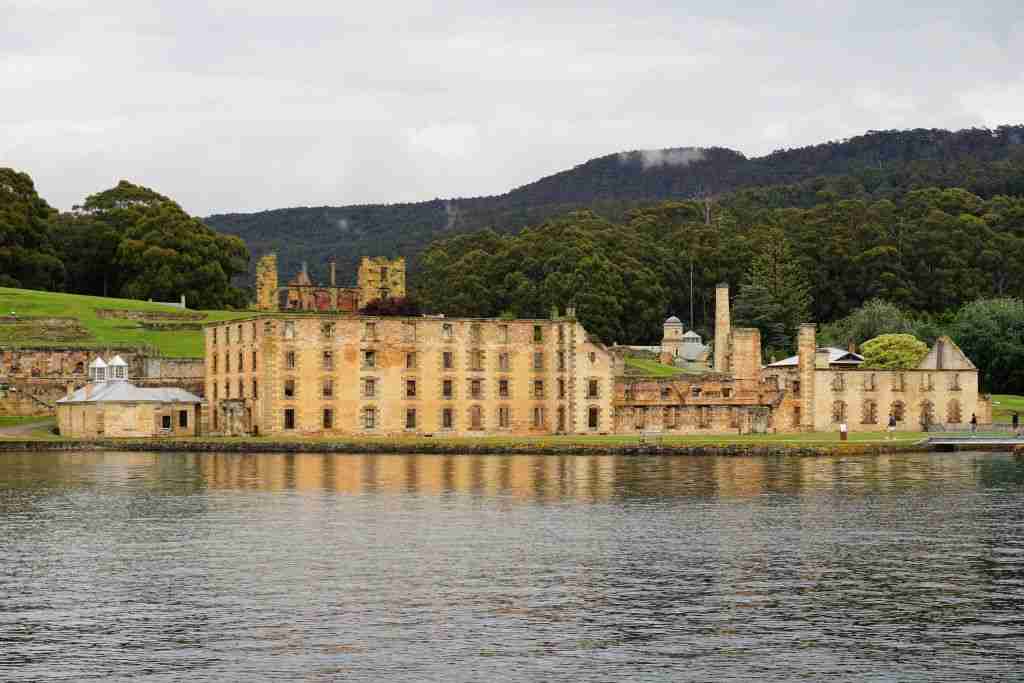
x,y
775,295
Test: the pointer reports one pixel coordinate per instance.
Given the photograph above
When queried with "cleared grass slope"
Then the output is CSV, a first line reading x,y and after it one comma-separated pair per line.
x,y
28,318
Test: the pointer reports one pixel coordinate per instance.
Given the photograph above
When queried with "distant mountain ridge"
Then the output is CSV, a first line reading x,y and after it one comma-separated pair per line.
x,y
876,165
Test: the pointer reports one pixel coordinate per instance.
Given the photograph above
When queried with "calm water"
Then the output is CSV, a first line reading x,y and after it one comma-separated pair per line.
x,y
422,568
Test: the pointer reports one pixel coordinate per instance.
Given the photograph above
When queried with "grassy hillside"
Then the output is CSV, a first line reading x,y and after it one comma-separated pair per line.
x,y
55,319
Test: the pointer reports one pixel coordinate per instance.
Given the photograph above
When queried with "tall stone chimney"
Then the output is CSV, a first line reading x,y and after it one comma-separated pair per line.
x,y
807,351
723,328
334,271
266,283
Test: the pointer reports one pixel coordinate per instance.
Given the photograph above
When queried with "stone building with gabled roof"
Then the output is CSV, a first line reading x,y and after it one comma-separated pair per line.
x,y
111,406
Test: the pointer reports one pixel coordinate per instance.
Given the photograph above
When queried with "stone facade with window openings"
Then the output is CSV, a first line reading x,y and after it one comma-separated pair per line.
x,y
381,375
323,374
815,390
942,390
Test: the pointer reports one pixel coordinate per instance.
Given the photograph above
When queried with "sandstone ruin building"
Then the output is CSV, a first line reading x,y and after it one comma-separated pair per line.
x,y
330,373
109,405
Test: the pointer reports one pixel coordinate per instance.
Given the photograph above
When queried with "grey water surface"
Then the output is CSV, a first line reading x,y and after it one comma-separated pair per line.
x,y
186,567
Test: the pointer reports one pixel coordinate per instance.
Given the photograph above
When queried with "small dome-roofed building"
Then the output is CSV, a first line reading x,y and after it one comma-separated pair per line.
x,y
111,406
693,348
677,346
671,337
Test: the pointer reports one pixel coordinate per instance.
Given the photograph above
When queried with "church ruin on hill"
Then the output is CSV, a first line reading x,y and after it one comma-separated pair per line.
x,y
378,278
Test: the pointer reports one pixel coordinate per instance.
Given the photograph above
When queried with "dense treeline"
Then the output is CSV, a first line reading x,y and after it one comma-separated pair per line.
x,y
126,241
871,167
929,251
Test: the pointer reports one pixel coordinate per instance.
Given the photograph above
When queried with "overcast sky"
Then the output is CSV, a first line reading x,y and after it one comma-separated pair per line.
x,y
257,105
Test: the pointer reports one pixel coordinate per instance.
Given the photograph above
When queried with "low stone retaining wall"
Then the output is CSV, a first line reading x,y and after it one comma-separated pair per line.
x,y
442,448
147,315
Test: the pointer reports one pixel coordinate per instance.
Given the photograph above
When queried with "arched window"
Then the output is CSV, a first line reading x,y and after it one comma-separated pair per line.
x,y
953,412
838,382
839,411
927,414
593,417
869,412
898,410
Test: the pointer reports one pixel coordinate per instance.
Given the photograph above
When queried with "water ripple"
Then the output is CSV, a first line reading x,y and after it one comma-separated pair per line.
x,y
437,568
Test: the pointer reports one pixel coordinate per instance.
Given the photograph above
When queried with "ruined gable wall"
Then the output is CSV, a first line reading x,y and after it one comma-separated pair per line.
x,y
380,274
266,283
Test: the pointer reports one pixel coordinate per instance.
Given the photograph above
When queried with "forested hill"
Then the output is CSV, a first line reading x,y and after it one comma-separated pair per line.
x,y
876,165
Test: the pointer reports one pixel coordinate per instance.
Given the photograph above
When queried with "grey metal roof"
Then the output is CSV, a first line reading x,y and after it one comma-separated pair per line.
x,y
835,357
126,392
692,351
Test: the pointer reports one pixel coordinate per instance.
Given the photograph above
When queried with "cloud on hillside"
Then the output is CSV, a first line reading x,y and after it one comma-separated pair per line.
x,y
652,158
242,106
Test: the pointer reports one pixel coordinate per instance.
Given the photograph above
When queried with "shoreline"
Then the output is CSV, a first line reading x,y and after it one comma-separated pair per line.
x,y
457,448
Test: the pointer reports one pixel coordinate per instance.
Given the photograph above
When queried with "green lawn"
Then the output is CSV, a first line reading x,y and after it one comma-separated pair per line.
x,y
27,304
795,440
1003,406
650,368
15,420
814,439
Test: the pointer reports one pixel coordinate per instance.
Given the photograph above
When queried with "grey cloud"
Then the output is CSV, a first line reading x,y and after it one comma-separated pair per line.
x,y
255,105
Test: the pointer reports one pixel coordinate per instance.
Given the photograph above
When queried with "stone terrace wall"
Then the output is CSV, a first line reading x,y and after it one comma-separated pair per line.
x,y
33,379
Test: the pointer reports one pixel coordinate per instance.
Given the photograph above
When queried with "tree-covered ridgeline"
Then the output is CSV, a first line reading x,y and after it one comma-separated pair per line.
x,y
126,241
870,167
928,252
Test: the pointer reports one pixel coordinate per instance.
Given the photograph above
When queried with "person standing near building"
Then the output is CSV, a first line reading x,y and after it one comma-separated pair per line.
x,y
892,425
974,423
1016,423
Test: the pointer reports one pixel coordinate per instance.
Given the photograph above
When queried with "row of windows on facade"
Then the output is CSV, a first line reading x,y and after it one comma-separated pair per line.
x,y
629,393
869,411
369,332
369,361
165,421
869,382
371,386
674,417
369,418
